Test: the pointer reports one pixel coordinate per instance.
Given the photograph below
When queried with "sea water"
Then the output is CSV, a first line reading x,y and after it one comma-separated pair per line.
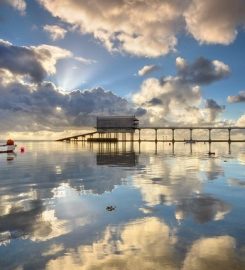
x,y
122,206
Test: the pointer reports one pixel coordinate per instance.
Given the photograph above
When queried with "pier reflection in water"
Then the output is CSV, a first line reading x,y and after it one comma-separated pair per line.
x,y
176,209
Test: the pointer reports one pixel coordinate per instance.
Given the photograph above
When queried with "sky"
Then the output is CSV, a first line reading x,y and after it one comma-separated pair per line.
x,y
169,62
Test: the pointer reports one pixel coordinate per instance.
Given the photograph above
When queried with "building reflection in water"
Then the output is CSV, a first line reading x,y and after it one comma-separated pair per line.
x,y
112,156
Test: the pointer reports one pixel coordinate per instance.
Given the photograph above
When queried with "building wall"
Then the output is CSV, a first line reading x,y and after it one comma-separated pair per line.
x,y
117,124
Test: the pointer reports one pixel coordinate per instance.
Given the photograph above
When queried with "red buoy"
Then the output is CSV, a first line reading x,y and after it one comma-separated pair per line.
x,y
22,149
10,142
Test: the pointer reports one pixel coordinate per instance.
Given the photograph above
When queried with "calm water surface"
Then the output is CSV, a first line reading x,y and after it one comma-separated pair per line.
x,y
174,208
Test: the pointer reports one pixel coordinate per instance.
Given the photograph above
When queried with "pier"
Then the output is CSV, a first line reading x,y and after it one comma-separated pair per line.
x,y
113,134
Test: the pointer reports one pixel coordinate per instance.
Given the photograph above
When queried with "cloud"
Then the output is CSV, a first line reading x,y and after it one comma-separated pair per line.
x,y
37,62
171,184
177,99
214,253
85,60
147,69
140,112
203,208
144,243
202,71
55,31
41,105
215,22
151,28
33,107
236,182
140,28
20,5
236,99
214,109
169,100
241,121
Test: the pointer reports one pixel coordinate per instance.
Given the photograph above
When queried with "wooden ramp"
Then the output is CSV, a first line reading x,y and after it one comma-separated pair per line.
x,y
83,136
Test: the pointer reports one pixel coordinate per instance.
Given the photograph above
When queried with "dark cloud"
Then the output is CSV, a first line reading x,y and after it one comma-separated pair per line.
x,y
204,208
140,112
213,108
43,107
202,71
236,182
155,101
236,99
32,62
212,104
21,60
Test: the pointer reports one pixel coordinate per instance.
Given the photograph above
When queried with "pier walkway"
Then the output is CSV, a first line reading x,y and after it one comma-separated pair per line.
x,y
83,136
115,134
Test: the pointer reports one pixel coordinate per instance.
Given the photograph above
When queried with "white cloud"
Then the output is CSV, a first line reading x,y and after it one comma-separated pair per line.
x,y
241,121
34,61
147,69
238,98
178,99
84,60
170,100
150,28
215,21
20,5
55,31
181,63
141,28
37,62
49,55
217,253
145,243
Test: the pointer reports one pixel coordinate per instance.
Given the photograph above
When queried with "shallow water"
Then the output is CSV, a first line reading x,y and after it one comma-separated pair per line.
x,y
175,208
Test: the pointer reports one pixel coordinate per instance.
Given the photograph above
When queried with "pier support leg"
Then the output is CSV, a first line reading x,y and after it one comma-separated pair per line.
x,y
173,140
190,134
132,137
139,135
209,135
229,136
155,135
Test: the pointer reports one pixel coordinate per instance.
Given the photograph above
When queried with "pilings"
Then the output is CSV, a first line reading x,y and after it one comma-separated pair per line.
x,y
155,134
229,135
123,134
209,135
173,140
